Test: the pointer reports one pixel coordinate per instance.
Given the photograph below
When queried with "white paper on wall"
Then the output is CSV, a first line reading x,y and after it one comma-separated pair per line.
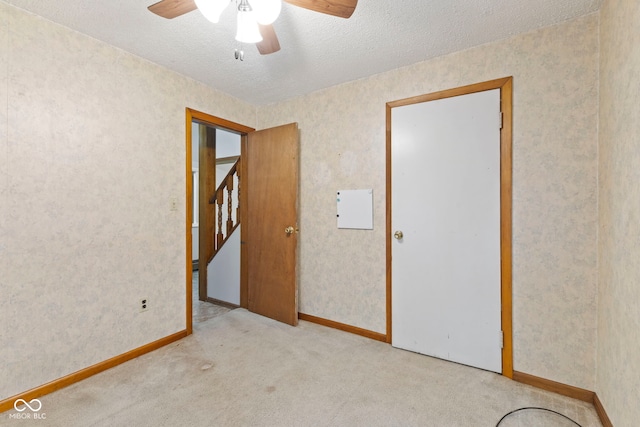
x,y
355,209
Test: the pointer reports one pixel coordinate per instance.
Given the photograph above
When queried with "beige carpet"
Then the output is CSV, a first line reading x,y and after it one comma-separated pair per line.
x,y
241,369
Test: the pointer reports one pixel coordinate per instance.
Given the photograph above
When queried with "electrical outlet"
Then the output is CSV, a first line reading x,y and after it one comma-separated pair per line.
x,y
144,304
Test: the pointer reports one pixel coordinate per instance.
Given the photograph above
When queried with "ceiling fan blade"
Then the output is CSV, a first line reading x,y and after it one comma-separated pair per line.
x,y
172,8
269,43
340,8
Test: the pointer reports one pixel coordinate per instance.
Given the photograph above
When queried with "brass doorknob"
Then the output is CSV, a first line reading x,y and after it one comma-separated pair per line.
x,y
398,235
289,230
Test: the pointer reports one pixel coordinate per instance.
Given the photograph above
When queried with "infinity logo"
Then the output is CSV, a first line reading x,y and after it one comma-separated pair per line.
x,y
24,402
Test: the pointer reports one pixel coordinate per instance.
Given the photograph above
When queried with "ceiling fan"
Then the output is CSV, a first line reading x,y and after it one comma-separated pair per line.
x,y
262,34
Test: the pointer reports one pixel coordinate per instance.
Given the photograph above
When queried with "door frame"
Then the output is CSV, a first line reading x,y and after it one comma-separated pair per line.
x,y
506,135
214,122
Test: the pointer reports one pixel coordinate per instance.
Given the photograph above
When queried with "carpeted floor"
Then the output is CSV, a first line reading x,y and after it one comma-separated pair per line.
x,y
202,310
241,369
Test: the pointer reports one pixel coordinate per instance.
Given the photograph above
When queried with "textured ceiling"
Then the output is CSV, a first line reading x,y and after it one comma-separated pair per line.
x,y
318,50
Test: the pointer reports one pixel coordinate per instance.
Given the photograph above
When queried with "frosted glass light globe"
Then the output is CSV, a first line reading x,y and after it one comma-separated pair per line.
x,y
212,9
248,31
267,11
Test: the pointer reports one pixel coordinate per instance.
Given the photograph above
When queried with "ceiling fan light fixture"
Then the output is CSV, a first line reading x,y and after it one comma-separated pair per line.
x,y
267,11
248,31
212,9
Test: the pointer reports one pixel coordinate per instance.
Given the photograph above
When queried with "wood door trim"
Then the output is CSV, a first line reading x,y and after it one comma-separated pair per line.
x,y
506,190
189,221
213,121
506,102
449,93
388,212
209,120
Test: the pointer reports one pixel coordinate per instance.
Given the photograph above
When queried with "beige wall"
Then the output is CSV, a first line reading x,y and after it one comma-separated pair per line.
x,y
618,379
92,163
92,158
554,197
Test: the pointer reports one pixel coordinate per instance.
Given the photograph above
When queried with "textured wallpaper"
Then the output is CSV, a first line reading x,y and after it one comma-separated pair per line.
x,y
4,179
92,199
619,181
342,129
92,170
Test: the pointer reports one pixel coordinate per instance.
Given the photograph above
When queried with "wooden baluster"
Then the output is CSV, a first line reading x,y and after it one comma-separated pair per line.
x,y
238,206
230,205
228,186
219,202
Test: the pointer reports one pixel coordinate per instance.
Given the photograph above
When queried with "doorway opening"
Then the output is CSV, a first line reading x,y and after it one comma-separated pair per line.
x,y
263,181
214,147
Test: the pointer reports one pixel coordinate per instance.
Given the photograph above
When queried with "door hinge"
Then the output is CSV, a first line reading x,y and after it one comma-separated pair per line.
x,y
501,339
501,119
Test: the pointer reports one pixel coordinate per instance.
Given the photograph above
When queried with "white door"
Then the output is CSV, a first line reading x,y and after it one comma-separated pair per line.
x,y
446,203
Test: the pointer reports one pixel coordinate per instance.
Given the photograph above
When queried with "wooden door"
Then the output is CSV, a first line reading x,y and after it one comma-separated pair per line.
x,y
270,236
446,203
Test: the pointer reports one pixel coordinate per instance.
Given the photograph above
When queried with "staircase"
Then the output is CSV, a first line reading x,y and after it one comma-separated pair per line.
x,y
226,204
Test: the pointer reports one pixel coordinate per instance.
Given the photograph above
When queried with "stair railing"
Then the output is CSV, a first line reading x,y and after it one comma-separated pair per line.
x,y
225,193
